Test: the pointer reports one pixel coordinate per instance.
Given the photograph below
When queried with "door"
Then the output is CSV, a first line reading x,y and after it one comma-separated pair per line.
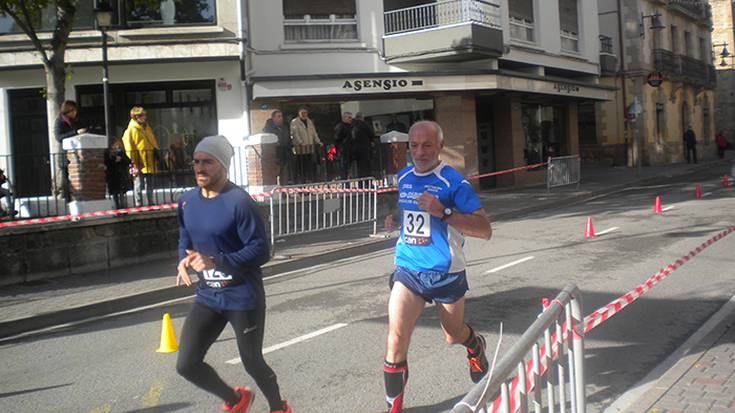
x,y
485,141
29,139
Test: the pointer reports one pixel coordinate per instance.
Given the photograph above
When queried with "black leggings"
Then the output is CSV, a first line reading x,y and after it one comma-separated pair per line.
x,y
202,327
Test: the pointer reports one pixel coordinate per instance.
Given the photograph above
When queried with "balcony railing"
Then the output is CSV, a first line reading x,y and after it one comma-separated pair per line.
x,y
442,13
666,62
695,7
320,29
683,68
606,45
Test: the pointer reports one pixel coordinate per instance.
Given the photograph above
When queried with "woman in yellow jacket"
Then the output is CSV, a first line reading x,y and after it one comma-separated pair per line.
x,y
142,149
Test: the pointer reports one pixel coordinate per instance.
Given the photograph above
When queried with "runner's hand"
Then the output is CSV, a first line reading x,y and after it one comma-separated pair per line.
x,y
182,275
430,203
200,262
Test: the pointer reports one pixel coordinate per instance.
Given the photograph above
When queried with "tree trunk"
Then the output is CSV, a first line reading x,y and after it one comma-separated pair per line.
x,y
55,93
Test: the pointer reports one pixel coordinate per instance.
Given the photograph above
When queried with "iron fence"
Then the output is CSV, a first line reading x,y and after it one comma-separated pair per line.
x,y
555,366
302,209
563,170
441,13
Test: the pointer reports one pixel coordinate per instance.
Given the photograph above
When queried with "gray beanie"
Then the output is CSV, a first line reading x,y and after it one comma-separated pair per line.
x,y
218,147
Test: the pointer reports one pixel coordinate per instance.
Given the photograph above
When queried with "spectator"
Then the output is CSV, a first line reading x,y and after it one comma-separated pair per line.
x,y
305,141
177,161
141,147
117,166
721,144
362,139
690,140
276,126
68,124
8,195
396,125
343,142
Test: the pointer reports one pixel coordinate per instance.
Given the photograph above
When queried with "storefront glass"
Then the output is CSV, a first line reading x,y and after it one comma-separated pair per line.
x,y
380,116
543,131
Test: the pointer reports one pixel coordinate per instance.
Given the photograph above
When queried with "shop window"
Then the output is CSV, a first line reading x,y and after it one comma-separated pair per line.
x,y
319,20
180,113
542,129
521,20
569,25
46,20
170,12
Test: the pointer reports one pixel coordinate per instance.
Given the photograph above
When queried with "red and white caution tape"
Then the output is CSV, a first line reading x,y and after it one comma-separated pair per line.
x,y
595,319
326,189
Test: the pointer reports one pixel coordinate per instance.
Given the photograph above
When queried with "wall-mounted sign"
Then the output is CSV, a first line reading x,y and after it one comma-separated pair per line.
x,y
655,79
566,87
382,84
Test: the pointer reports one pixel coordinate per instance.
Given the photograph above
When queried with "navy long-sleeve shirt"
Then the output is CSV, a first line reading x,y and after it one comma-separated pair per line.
x,y
229,229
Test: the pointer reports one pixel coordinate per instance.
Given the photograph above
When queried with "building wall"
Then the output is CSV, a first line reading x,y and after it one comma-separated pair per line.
x,y
722,16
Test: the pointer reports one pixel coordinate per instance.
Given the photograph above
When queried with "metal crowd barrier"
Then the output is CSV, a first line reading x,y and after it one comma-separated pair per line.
x,y
563,170
301,209
553,366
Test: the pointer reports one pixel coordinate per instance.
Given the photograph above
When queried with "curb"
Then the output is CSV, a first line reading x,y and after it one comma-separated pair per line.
x,y
23,325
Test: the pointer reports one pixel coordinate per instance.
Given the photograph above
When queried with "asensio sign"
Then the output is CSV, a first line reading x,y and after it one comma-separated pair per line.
x,y
380,84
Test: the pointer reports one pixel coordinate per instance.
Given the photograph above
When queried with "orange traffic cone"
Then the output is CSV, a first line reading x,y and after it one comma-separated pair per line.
x,y
168,339
697,192
589,231
657,206
725,181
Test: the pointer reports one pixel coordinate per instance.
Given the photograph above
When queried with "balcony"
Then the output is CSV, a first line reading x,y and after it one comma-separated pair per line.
x,y
685,69
445,31
698,10
608,60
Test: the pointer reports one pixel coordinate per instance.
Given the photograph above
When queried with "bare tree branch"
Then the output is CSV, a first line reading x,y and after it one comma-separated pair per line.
x,y
30,31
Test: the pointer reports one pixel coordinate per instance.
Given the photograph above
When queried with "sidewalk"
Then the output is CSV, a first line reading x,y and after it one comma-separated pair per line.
x,y
50,302
703,380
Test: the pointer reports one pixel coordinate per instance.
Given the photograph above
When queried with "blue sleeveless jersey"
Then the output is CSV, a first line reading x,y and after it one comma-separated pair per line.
x,y
427,243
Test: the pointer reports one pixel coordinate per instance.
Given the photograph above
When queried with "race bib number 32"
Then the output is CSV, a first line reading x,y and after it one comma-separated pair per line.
x,y
416,227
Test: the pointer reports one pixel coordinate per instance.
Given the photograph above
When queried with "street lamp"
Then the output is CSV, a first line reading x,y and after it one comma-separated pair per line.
x,y
103,18
724,52
655,22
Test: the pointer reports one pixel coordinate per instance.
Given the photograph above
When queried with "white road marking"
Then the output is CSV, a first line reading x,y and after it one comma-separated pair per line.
x,y
510,264
607,231
294,341
706,194
668,208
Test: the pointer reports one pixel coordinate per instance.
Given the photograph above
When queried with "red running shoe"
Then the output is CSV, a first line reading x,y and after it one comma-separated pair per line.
x,y
286,409
478,362
246,400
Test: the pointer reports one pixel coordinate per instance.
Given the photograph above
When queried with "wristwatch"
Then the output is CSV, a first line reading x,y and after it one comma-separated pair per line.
x,y
447,213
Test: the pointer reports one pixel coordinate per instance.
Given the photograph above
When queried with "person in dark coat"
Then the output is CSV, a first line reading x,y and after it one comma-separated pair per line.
x,y
690,140
721,143
362,138
343,142
117,165
68,124
276,126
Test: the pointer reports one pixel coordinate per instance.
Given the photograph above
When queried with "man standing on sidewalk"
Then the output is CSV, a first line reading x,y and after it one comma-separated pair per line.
x,y
222,238
437,207
690,140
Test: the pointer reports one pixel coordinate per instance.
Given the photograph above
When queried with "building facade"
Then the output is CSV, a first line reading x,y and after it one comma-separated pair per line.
x,y
511,81
723,35
667,40
505,79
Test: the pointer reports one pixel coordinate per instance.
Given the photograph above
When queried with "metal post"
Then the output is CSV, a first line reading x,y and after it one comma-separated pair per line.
x,y
105,85
577,329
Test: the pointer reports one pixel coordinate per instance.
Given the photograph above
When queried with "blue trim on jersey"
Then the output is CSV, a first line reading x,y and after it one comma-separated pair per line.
x,y
444,250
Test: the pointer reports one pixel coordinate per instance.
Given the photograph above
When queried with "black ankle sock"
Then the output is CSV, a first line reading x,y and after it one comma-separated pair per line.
x,y
395,376
235,400
472,343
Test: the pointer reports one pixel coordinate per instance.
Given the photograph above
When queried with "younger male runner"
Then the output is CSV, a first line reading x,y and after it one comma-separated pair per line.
x,y
222,238
437,206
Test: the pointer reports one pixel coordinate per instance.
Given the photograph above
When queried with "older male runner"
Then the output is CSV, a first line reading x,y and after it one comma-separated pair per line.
x,y
437,206
222,238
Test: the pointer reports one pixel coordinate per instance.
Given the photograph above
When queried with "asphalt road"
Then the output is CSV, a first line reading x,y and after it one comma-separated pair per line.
x,y
110,365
